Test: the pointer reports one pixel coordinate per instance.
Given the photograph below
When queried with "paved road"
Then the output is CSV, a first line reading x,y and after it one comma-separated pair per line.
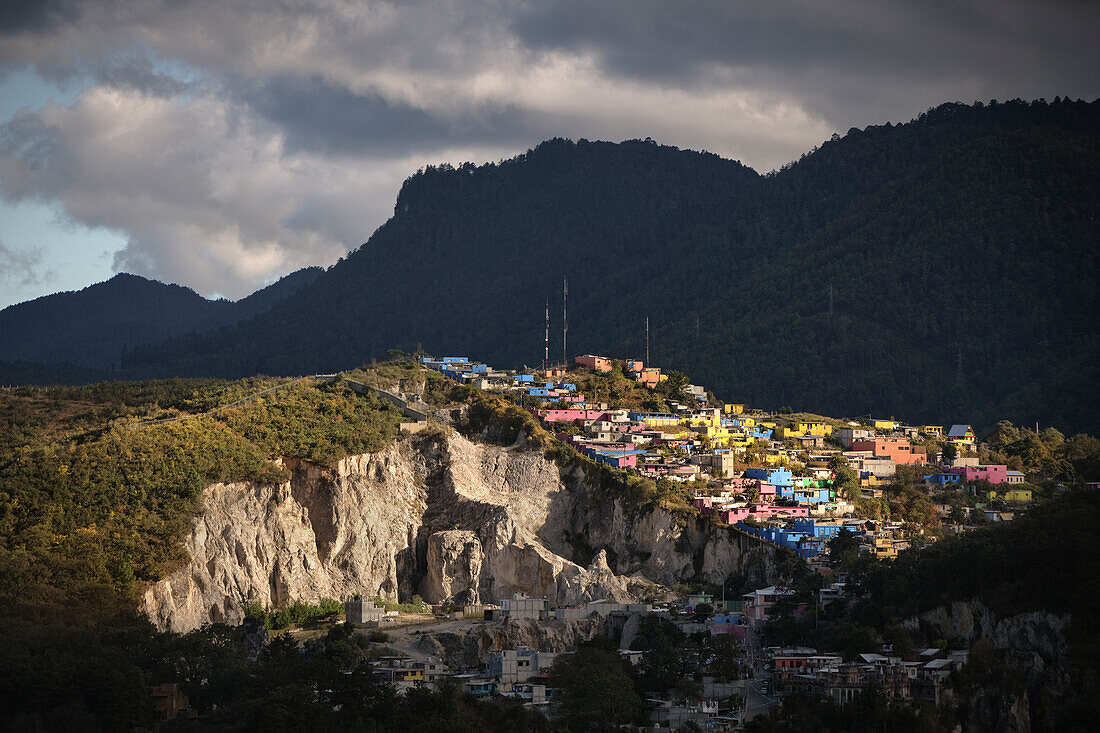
x,y
756,702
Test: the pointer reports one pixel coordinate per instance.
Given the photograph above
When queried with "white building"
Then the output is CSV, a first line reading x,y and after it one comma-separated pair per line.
x,y
510,666
521,606
360,611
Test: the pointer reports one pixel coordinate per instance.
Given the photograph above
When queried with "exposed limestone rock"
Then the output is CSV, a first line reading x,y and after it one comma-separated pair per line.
x,y
454,567
453,520
471,647
1032,644
322,534
964,622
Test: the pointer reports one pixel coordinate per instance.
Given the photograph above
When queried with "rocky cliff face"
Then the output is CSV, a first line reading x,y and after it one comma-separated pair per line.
x,y
443,517
1033,645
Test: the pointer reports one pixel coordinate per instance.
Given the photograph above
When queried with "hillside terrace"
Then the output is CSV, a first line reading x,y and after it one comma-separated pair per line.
x,y
615,413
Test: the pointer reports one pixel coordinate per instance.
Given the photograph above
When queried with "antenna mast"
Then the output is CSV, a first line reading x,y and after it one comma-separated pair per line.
x,y
564,321
647,339
546,355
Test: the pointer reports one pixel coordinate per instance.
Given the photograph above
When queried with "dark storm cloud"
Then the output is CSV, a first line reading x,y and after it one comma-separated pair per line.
x,y
139,74
651,38
320,116
835,54
232,140
17,16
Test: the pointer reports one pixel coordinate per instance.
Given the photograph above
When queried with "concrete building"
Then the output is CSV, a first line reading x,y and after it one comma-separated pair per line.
x,y
598,363
899,450
510,666
881,467
757,605
522,606
361,611
718,464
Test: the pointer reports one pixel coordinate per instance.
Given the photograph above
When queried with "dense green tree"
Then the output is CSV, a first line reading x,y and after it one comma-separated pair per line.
x,y
597,691
854,254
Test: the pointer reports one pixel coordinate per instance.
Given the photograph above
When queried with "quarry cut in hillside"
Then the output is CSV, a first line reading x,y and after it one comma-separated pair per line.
x,y
442,517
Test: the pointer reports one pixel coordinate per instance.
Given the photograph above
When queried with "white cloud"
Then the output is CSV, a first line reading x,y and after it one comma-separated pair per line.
x,y
230,142
201,188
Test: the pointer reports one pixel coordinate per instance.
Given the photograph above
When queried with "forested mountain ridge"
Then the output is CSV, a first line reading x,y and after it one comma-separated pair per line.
x,y
92,327
472,254
969,232
965,290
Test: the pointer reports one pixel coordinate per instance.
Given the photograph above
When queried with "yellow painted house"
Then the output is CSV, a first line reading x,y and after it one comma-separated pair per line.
x,y
696,421
740,439
716,434
1013,496
883,548
804,428
934,431
733,409
652,423
885,424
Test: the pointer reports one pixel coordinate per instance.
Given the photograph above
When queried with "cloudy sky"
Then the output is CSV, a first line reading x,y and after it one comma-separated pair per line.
x,y
220,144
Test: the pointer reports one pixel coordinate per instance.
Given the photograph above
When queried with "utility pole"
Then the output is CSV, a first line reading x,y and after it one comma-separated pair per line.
x,y
546,355
564,322
647,339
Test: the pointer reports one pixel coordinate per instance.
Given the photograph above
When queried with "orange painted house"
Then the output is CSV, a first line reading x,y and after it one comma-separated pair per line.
x,y
650,377
598,363
899,450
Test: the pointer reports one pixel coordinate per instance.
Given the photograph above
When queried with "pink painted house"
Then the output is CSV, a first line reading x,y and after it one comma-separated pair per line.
x,y
791,511
568,415
733,516
994,474
703,503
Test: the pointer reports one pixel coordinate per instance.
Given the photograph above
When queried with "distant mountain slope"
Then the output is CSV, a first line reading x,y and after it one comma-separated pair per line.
x,y
472,254
92,327
971,229
964,290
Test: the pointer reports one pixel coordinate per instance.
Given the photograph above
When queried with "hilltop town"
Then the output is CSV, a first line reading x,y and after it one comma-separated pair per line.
x,y
593,544
831,491
792,478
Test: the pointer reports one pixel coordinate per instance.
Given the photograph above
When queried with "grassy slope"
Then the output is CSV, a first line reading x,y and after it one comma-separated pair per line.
x,y
93,503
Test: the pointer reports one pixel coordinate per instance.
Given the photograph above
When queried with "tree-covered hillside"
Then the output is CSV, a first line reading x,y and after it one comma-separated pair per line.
x,y
472,254
965,289
968,235
99,484
92,327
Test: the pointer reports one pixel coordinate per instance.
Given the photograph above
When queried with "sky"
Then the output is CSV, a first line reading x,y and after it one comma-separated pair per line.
x,y
221,144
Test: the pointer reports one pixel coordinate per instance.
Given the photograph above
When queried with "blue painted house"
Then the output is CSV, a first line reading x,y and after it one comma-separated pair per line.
x,y
773,476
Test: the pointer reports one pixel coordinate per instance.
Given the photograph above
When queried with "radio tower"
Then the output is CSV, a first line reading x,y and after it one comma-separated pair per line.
x,y
546,356
564,322
647,339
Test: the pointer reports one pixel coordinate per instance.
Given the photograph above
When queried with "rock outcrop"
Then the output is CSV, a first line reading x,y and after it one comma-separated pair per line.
x,y
470,647
452,520
454,567
1033,645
